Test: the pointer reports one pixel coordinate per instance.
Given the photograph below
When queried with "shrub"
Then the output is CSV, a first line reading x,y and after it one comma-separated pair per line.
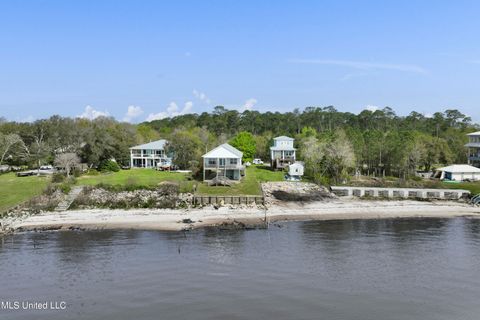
x,y
77,173
58,177
50,190
65,187
71,180
109,165
92,172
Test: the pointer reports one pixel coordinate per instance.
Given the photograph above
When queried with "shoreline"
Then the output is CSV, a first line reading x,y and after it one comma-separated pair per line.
x,y
187,219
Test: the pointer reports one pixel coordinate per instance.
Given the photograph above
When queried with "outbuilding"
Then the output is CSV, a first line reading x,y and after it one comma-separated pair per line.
x,y
458,172
296,169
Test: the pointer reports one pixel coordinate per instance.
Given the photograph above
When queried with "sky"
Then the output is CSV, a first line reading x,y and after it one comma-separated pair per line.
x,y
145,60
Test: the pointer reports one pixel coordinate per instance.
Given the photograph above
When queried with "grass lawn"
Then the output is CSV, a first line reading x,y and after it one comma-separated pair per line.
x,y
250,185
473,187
15,190
142,177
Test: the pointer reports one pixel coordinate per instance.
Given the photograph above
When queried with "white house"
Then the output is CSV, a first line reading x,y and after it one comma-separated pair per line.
x,y
458,172
223,161
282,153
296,169
149,155
473,146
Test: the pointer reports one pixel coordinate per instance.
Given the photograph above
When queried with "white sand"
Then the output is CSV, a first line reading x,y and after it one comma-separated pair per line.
x,y
148,219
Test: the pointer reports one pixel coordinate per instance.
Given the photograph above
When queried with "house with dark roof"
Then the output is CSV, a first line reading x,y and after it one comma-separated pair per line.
x,y
150,155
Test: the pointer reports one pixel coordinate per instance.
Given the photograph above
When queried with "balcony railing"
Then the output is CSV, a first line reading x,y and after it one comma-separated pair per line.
x,y
148,156
223,166
284,158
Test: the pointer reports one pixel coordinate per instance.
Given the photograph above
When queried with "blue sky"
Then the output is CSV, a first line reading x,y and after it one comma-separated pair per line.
x,y
153,59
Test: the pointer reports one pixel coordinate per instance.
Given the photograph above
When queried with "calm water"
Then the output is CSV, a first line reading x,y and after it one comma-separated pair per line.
x,y
386,269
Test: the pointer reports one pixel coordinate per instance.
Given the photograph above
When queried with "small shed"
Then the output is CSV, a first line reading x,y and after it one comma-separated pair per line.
x,y
458,172
296,169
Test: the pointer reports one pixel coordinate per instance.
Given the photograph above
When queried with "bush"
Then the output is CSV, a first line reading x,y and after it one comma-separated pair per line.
x,y
92,172
50,190
109,165
65,187
71,180
58,177
77,173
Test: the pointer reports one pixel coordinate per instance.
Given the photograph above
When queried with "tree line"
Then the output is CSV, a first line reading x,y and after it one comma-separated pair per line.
x,y
333,144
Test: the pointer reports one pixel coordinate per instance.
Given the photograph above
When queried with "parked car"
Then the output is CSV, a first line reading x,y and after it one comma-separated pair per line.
x,y
257,161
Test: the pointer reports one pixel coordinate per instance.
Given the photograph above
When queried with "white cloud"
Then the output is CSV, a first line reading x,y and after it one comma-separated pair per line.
x,y
132,113
201,96
172,111
372,108
363,65
91,113
30,119
249,104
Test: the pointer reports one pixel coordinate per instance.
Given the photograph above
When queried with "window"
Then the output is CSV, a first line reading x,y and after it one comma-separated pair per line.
x,y
222,162
233,161
211,161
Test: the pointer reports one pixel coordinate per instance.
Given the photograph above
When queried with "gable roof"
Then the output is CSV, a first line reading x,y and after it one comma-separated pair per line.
x,y
224,151
283,138
459,168
154,145
297,164
474,134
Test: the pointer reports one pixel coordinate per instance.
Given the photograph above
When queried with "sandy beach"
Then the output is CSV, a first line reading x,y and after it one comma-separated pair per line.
x,y
175,220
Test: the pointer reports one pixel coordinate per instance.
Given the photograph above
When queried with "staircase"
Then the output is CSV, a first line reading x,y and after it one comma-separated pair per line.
x,y
69,198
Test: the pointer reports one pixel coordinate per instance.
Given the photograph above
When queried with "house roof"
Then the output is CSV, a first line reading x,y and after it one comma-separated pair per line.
x,y
474,134
297,164
459,168
154,145
283,138
224,151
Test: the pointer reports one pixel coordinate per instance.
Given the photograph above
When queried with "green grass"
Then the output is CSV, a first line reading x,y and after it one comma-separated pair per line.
x,y
140,177
250,184
15,190
473,187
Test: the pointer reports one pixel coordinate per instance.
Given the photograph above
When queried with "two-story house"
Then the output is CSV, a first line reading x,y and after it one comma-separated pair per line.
x,y
150,155
223,161
473,146
282,153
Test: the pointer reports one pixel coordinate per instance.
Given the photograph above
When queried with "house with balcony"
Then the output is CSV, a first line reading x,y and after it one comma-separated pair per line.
x,y
282,153
473,147
150,155
224,161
